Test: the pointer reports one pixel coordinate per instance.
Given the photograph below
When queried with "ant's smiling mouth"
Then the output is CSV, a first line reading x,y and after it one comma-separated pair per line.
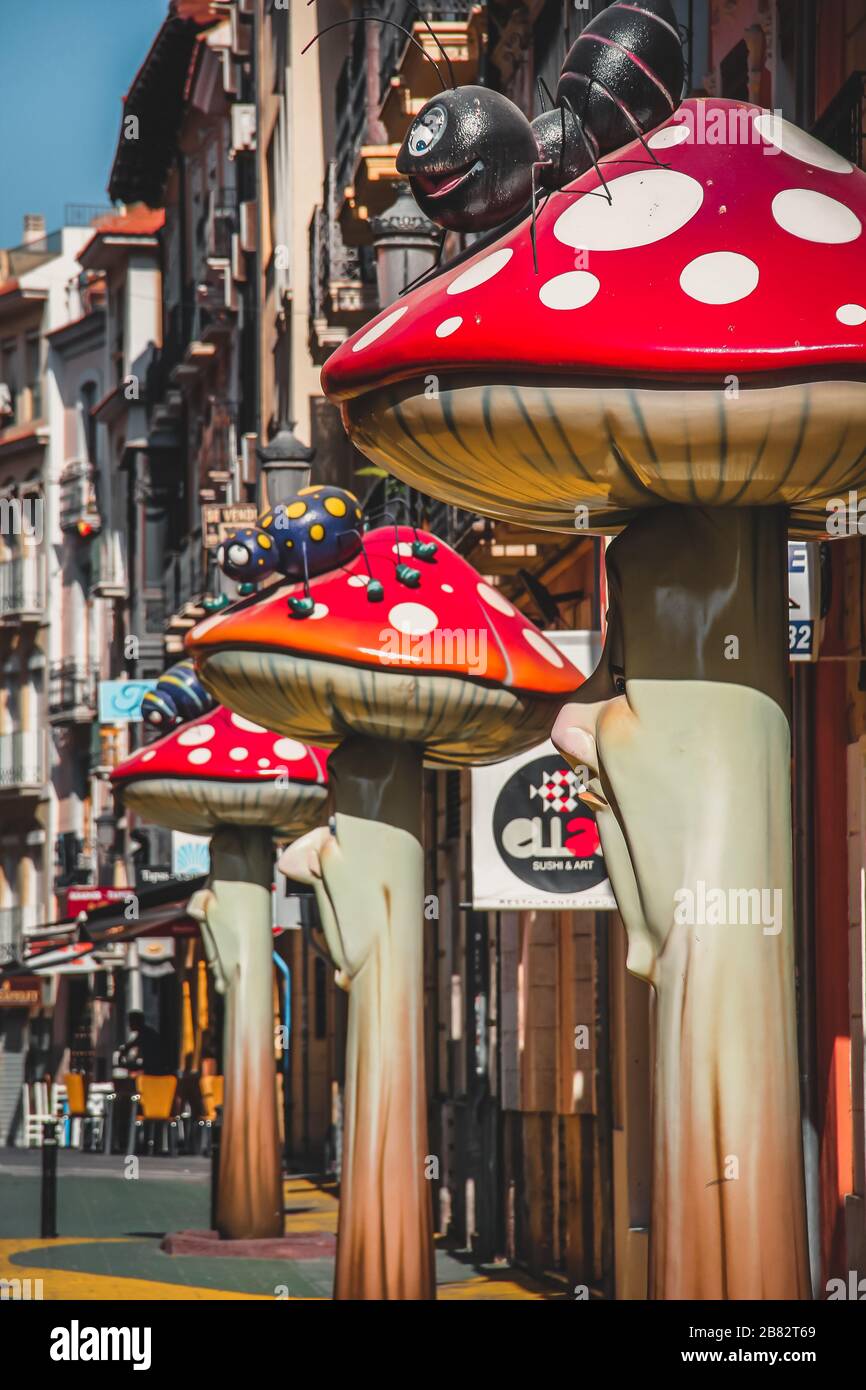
x,y
437,185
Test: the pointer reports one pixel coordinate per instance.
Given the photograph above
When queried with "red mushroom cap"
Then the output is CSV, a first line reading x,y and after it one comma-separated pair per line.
x,y
699,339
742,256
223,769
422,643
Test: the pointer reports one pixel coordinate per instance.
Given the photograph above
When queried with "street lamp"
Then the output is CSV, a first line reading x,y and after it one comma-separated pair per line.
x,y
285,467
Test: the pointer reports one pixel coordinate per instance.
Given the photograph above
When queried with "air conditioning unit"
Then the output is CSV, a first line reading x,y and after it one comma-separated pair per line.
x,y
243,127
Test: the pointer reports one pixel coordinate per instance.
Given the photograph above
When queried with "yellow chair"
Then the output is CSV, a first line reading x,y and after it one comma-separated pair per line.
x,y
212,1092
153,1108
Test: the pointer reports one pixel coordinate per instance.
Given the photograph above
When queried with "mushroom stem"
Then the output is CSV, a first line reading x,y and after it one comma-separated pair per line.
x,y
239,940
369,881
694,762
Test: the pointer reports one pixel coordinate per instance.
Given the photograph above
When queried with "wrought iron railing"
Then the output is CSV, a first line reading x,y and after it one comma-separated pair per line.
x,y
843,124
342,278
22,589
22,759
72,687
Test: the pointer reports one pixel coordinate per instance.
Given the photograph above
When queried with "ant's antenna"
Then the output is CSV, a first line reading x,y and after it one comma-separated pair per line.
x,y
430,31
434,36
377,19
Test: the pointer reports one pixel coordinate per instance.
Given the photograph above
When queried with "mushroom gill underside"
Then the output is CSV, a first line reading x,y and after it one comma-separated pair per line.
x,y
457,719
201,807
532,451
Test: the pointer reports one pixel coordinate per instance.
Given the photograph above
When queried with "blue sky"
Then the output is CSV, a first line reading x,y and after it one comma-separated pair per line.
x,y
64,67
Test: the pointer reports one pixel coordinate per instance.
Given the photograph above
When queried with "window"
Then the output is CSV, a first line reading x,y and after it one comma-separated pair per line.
x,y
9,378
34,375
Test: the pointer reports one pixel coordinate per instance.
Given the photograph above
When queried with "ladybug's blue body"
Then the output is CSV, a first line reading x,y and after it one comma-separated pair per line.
x,y
317,531
179,696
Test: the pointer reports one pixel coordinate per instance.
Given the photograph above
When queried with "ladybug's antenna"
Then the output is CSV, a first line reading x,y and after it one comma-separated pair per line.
x,y
377,19
430,30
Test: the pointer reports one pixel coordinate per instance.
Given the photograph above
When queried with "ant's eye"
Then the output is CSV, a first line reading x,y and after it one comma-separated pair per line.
x,y
619,684
427,130
238,555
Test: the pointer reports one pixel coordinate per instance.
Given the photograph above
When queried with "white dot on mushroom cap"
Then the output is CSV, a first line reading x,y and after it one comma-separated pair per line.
x,y
251,728
321,610
798,144
448,326
670,135
720,277
813,216
447,588
542,646
647,207
238,754
379,328
199,755
481,272
401,548
415,619
572,290
494,598
146,757
264,762
203,733
359,581
290,749
853,314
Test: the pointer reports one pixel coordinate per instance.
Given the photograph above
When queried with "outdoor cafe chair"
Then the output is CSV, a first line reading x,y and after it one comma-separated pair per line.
x,y
153,1111
212,1092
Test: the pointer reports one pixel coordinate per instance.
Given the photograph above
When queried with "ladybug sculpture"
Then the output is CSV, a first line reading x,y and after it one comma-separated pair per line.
x,y
179,696
317,531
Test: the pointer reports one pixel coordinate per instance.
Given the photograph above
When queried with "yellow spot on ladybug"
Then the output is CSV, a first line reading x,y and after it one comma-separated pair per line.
x,y
358,513
352,495
265,542
261,562
267,520
310,491
296,509
317,532
290,545
335,505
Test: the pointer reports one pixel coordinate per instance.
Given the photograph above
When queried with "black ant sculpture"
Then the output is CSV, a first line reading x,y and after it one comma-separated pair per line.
x,y
474,161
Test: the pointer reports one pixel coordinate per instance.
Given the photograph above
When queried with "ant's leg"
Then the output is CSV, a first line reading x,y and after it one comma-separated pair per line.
x,y
424,273
589,149
624,111
539,164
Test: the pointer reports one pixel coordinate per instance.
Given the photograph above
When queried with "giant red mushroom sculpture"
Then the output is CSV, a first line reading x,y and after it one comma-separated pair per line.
x,y
227,777
688,363
448,671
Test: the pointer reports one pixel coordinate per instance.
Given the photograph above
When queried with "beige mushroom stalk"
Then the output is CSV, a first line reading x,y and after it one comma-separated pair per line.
x,y
438,666
227,777
687,364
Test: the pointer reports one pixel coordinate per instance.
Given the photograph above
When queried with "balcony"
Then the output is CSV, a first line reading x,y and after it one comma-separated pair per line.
x,y
72,692
407,79
343,291
22,589
16,923
184,585
843,124
22,763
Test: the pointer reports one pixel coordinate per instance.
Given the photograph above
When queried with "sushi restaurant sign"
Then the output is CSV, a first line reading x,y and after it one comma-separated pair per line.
x,y
534,844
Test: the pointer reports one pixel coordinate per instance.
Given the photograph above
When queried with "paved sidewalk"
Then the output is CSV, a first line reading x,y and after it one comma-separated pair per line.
x,y
111,1219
